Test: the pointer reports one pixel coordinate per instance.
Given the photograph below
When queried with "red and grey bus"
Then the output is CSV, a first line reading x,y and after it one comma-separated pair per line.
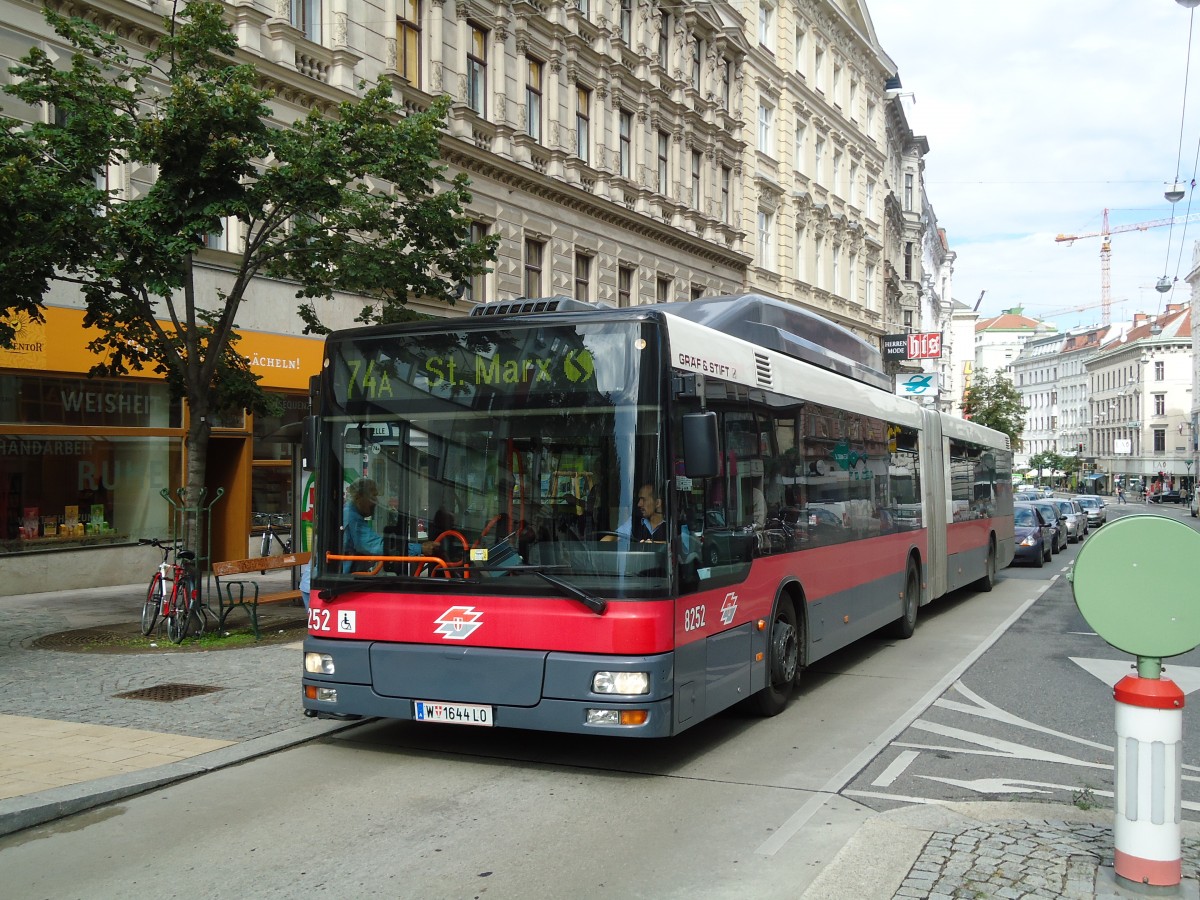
x,y
558,516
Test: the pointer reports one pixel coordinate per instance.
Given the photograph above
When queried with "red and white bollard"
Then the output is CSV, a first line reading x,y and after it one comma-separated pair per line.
x,y
1146,833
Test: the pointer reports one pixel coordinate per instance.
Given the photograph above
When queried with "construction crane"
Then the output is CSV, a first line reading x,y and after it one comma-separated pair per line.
x,y
1105,233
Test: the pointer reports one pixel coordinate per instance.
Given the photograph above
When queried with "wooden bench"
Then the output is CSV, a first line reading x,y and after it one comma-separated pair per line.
x,y
248,596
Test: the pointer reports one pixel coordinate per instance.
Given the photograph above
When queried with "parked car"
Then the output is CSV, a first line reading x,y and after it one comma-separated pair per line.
x,y
1027,495
1094,507
1077,523
1030,533
1058,524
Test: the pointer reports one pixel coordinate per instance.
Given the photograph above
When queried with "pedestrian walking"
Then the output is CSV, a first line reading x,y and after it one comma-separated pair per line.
x,y
1120,494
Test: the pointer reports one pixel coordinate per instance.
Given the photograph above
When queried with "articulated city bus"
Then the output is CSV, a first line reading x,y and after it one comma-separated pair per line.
x,y
557,516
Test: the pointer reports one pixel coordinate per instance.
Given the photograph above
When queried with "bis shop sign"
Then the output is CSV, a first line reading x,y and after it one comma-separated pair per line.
x,y
927,345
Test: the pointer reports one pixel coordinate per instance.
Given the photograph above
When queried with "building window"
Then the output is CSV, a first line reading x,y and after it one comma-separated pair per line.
x,y
766,239
215,240
908,320
696,198
477,71
626,148
476,287
624,286
818,159
306,15
726,207
662,290
870,205
697,291
799,55
1160,371
837,85
583,277
852,293
408,41
664,37
854,99
819,261
801,273
583,124
766,127
836,284
664,160
585,8
766,25
798,148
533,98
819,70
697,57
836,181
908,260
728,86
1160,404
1160,440
908,191
870,119
533,267
869,285
627,22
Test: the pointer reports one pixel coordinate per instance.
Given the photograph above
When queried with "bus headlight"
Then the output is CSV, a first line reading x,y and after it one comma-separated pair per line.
x,y
318,663
621,683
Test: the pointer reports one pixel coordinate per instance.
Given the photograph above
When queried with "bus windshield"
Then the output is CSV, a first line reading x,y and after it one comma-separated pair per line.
x,y
484,458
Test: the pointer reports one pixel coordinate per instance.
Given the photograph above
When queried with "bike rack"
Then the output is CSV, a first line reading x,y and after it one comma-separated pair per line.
x,y
202,515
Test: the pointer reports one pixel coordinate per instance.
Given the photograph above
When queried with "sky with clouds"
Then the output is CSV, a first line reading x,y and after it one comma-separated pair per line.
x,y
1041,114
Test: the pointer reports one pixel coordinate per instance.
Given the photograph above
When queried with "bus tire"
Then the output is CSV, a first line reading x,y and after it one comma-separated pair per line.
x,y
904,626
984,584
783,660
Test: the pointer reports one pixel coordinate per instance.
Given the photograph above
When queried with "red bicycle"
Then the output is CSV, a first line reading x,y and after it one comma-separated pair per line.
x,y
181,604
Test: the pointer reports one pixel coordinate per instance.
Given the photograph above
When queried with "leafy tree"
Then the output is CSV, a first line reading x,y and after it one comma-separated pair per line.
x,y
1048,461
994,401
352,202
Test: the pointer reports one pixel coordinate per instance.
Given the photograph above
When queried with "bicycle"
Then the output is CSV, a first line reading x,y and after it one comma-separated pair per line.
x,y
179,606
283,538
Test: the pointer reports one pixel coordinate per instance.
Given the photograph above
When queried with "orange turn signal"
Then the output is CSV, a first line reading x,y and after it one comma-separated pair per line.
x,y
634,716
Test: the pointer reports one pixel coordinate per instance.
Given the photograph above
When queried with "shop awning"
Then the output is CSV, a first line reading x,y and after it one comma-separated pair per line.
x,y
1094,476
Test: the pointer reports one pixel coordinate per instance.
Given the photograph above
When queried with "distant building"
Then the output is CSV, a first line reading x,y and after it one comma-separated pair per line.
x,y
1140,404
999,339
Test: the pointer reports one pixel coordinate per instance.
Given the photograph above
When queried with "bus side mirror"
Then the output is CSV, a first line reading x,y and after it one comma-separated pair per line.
x,y
701,456
308,443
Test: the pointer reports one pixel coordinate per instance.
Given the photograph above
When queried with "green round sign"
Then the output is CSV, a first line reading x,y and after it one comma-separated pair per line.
x,y
1135,583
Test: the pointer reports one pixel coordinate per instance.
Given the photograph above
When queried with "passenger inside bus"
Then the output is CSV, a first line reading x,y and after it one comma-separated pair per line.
x,y
359,537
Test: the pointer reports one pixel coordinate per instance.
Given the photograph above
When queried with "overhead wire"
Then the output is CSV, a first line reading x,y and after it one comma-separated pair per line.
x,y
1187,69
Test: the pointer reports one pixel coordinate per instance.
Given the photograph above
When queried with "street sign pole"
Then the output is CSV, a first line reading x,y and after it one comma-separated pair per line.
x,y
1133,584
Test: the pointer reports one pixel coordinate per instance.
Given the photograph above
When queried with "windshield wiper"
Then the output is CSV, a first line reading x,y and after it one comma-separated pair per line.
x,y
598,605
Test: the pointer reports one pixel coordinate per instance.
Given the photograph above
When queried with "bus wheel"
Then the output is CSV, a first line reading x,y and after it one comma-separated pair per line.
x,y
904,626
985,583
783,660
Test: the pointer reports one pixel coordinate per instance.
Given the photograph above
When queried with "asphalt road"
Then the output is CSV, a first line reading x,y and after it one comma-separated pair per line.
x,y
1033,718
738,806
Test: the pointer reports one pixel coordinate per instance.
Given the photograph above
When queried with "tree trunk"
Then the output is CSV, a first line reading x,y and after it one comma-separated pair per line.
x,y
195,496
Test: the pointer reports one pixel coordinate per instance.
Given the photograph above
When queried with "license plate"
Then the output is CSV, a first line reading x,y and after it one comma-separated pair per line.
x,y
454,713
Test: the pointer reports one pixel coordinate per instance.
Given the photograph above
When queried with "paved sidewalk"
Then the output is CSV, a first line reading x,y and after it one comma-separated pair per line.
x,y
69,743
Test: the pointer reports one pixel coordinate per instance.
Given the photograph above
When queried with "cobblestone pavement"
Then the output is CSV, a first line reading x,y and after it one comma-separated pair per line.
x,y
1043,859
259,684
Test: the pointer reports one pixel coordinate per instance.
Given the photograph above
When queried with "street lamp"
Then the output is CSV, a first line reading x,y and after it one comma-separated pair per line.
x,y
1188,4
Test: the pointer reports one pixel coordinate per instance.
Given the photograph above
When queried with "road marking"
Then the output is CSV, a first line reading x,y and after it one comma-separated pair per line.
x,y
896,769
1019,786
1110,671
988,710
902,798
830,789
1004,748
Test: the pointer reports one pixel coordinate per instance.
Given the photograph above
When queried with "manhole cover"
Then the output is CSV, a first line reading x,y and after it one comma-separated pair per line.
x,y
165,693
